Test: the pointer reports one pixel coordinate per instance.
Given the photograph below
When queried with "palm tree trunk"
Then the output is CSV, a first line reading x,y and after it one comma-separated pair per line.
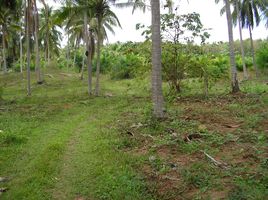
x,y
157,95
83,67
74,60
47,42
4,51
89,62
235,86
74,55
68,50
28,50
241,43
97,89
21,58
253,52
37,56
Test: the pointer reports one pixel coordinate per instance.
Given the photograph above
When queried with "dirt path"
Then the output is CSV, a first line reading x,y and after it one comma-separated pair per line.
x,y
63,188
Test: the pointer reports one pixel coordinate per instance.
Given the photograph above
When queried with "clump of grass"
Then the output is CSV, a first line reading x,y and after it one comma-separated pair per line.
x,y
10,139
200,175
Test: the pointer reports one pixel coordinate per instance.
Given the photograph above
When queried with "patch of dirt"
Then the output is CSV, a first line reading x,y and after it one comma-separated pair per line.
x,y
215,119
239,155
215,114
172,155
139,151
165,184
263,125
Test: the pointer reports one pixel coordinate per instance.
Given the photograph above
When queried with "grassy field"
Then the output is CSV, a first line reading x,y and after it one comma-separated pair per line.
x,y
61,144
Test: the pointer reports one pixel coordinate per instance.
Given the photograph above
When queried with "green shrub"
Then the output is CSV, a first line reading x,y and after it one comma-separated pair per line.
x,y
16,65
239,63
125,66
222,63
262,56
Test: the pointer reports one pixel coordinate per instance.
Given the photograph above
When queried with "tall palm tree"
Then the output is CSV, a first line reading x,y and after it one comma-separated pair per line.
x,y
237,19
21,13
89,52
235,85
4,18
105,17
8,28
157,95
236,16
250,16
37,55
80,9
50,36
28,24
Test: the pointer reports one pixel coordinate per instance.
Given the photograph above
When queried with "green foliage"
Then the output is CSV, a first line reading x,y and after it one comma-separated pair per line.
x,y
239,63
262,56
191,62
16,65
124,61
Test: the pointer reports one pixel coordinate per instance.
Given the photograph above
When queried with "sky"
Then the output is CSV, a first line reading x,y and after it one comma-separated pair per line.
x,y
209,13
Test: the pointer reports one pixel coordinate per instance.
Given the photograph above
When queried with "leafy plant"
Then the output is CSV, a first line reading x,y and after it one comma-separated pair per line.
x,y
262,56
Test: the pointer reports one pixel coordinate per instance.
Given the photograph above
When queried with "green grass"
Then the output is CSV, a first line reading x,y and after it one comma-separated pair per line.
x,y
62,144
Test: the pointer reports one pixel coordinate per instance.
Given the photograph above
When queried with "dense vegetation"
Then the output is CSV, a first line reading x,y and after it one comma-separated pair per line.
x,y
173,117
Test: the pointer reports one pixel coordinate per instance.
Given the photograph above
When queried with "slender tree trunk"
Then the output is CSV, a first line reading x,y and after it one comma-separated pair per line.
x,y
245,73
97,89
21,57
74,60
28,49
89,62
48,54
68,50
253,52
4,51
37,55
206,84
157,95
83,67
89,68
235,86
74,56
47,39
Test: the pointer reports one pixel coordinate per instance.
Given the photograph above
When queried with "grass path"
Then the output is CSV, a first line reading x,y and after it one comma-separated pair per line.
x,y
62,145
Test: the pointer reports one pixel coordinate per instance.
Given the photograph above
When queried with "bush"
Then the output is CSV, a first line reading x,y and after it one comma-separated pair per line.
x,y
239,63
262,56
16,65
125,66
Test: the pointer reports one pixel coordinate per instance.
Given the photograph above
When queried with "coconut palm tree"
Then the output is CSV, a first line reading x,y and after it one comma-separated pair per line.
x,y
36,34
235,85
234,79
157,95
28,19
236,17
105,18
50,36
250,17
4,20
8,29
237,20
